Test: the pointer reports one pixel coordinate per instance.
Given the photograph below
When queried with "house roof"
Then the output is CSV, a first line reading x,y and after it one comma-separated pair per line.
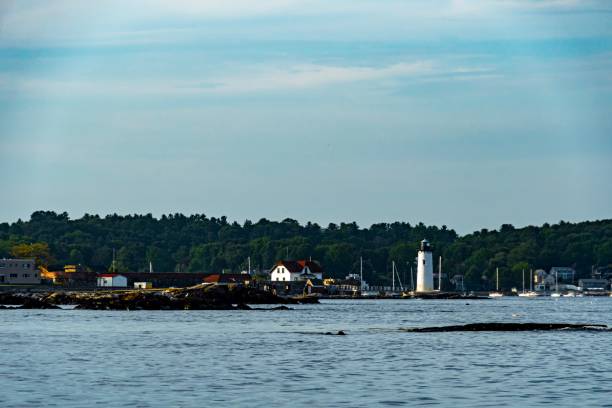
x,y
298,266
227,278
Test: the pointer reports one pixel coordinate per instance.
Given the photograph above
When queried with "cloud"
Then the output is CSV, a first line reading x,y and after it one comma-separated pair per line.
x,y
262,79
66,22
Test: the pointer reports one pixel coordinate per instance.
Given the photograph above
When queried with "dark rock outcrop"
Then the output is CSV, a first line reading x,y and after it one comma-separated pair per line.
x,y
506,327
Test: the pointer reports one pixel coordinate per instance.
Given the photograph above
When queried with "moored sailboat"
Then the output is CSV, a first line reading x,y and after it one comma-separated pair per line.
x,y
497,293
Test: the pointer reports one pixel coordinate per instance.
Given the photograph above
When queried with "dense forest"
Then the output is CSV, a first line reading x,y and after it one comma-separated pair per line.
x,y
198,243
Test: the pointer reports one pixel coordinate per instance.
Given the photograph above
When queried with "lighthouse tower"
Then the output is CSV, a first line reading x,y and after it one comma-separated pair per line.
x,y
425,268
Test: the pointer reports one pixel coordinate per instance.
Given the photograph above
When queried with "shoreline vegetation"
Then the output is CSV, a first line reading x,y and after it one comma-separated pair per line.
x,y
198,297
209,245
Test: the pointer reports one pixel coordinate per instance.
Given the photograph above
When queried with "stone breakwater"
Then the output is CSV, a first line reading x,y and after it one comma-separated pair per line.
x,y
199,297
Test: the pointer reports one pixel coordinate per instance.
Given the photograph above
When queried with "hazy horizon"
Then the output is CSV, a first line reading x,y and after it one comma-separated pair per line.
x,y
470,114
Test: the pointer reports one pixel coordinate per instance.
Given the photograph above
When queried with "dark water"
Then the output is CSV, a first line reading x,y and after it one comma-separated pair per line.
x,y
70,358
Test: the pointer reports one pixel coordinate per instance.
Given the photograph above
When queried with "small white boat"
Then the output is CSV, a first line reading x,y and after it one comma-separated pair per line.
x,y
570,294
496,295
555,294
530,294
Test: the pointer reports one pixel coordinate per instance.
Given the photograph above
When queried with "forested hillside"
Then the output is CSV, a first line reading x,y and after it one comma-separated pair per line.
x,y
197,243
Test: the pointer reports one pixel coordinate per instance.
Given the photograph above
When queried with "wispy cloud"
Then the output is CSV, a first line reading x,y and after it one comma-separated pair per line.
x,y
255,80
114,21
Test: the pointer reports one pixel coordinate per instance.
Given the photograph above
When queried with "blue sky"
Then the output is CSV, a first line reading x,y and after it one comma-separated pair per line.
x,y
464,113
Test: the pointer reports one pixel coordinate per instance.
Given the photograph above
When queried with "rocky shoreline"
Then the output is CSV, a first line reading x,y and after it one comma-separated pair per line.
x,y
199,297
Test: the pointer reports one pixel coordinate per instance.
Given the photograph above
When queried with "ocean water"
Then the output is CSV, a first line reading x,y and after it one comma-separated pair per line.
x,y
259,358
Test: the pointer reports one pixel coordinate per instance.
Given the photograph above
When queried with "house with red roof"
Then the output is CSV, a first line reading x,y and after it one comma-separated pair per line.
x,y
292,271
112,280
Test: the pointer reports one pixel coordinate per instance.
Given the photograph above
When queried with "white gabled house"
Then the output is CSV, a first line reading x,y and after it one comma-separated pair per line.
x,y
291,271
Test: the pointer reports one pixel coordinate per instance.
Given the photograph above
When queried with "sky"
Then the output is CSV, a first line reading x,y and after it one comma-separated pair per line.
x,y
469,114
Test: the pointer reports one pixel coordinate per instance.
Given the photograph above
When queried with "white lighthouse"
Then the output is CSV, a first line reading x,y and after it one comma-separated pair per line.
x,y
425,268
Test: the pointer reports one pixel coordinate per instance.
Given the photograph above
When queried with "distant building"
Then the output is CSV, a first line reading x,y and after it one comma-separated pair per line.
x,y
112,280
602,272
349,286
563,273
291,271
19,272
593,284
143,285
225,278
315,286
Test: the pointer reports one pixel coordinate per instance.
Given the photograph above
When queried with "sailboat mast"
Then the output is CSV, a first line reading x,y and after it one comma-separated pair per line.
x,y
361,275
523,281
531,280
440,274
411,279
393,276
497,279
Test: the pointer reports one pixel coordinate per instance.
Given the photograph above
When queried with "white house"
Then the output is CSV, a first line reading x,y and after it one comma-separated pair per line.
x,y
289,271
112,280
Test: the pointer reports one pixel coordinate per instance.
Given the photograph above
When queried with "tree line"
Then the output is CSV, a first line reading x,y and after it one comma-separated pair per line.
x,y
197,243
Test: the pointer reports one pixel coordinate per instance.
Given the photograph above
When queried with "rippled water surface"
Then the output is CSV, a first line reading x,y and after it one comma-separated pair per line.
x,y
75,358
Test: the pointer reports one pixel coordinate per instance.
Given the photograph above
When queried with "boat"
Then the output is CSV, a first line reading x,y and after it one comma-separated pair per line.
x,y
556,293
497,293
569,294
530,293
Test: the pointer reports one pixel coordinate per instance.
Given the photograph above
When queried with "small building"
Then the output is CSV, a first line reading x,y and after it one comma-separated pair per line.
x,y
292,271
143,285
314,286
563,273
226,278
112,280
19,272
593,284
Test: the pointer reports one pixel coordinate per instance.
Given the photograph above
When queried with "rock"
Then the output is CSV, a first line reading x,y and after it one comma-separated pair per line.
x,y
340,333
507,327
33,303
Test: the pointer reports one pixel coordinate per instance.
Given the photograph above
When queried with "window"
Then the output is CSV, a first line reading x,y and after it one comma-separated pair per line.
x,y
26,275
13,275
2,265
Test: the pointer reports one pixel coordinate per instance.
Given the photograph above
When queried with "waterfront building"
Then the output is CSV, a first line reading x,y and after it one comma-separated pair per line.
x,y
563,273
112,280
593,284
143,285
425,268
291,271
315,286
19,272
225,278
